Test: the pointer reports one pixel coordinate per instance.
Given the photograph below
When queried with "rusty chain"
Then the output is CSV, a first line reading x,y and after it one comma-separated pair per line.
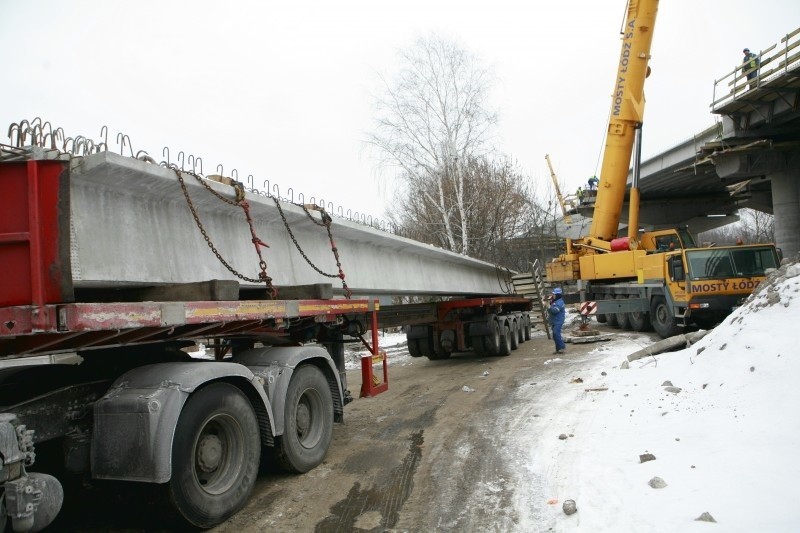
x,y
326,223
263,277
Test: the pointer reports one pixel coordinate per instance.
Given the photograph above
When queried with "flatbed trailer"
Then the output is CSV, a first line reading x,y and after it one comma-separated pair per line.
x,y
122,398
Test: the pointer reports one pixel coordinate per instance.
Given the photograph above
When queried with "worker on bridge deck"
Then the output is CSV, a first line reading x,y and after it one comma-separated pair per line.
x,y
750,67
557,314
593,181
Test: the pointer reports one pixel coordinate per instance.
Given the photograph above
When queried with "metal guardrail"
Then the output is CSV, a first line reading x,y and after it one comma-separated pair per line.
x,y
775,61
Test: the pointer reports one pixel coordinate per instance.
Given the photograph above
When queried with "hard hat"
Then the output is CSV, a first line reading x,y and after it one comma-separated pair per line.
x,y
557,291
746,51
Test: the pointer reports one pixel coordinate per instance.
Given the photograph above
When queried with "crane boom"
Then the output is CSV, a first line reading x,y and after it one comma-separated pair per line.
x,y
567,218
627,110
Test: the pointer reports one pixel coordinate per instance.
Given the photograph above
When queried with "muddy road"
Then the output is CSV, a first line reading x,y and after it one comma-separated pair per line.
x,y
429,456
451,446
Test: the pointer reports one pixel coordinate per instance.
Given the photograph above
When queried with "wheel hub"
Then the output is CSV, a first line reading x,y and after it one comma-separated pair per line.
x,y
303,419
209,453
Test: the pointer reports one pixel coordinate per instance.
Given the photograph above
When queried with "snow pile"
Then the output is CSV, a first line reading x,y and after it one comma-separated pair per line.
x,y
721,418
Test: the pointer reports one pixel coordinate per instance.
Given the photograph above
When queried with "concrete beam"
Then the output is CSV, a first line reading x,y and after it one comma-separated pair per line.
x,y
131,225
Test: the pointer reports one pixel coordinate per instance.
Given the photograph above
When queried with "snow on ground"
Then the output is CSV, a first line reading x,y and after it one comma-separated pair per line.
x,y
393,343
725,443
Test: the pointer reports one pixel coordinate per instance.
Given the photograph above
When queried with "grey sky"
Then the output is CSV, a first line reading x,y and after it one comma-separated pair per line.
x,y
283,90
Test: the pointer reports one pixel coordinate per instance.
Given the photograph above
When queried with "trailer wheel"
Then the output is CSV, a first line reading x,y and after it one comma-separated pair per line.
x,y
662,319
478,345
505,340
215,455
520,329
514,334
601,319
426,347
308,421
413,348
527,332
493,341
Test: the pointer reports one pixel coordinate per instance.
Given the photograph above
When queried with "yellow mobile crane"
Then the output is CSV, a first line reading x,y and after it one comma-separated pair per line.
x,y
656,278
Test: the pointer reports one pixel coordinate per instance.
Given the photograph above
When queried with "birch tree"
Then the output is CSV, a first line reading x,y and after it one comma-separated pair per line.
x,y
431,120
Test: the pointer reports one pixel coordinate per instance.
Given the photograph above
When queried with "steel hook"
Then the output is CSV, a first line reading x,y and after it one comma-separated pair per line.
x,y
235,175
80,141
277,191
301,198
340,211
251,181
11,129
265,186
290,194
220,170
165,153
121,138
36,134
181,157
104,134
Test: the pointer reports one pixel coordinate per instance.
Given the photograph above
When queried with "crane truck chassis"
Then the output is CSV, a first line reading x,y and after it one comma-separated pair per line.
x,y
658,278
121,399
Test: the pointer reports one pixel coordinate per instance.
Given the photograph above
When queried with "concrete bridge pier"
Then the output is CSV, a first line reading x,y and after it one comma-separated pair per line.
x,y
786,209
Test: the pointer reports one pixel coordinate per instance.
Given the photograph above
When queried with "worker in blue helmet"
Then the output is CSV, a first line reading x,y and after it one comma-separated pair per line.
x,y
557,313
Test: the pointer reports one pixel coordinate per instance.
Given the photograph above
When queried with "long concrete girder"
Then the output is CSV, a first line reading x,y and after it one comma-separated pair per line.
x,y
131,225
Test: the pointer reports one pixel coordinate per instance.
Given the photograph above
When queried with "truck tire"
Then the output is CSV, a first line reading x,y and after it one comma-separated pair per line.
x,y
527,327
622,318
662,319
515,332
611,318
601,319
413,348
215,455
308,421
426,347
639,320
494,339
520,329
478,345
505,340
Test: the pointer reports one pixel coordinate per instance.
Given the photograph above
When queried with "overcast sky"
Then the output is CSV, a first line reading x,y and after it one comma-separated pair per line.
x,y
285,90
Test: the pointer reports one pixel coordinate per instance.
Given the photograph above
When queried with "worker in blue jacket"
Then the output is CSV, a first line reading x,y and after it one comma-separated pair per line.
x,y
557,315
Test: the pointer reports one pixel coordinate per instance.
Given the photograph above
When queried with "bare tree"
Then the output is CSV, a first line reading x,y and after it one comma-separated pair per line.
x,y
501,206
431,120
752,227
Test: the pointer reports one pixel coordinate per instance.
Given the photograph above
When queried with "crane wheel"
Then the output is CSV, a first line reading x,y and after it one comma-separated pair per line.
x,y
662,319
622,318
